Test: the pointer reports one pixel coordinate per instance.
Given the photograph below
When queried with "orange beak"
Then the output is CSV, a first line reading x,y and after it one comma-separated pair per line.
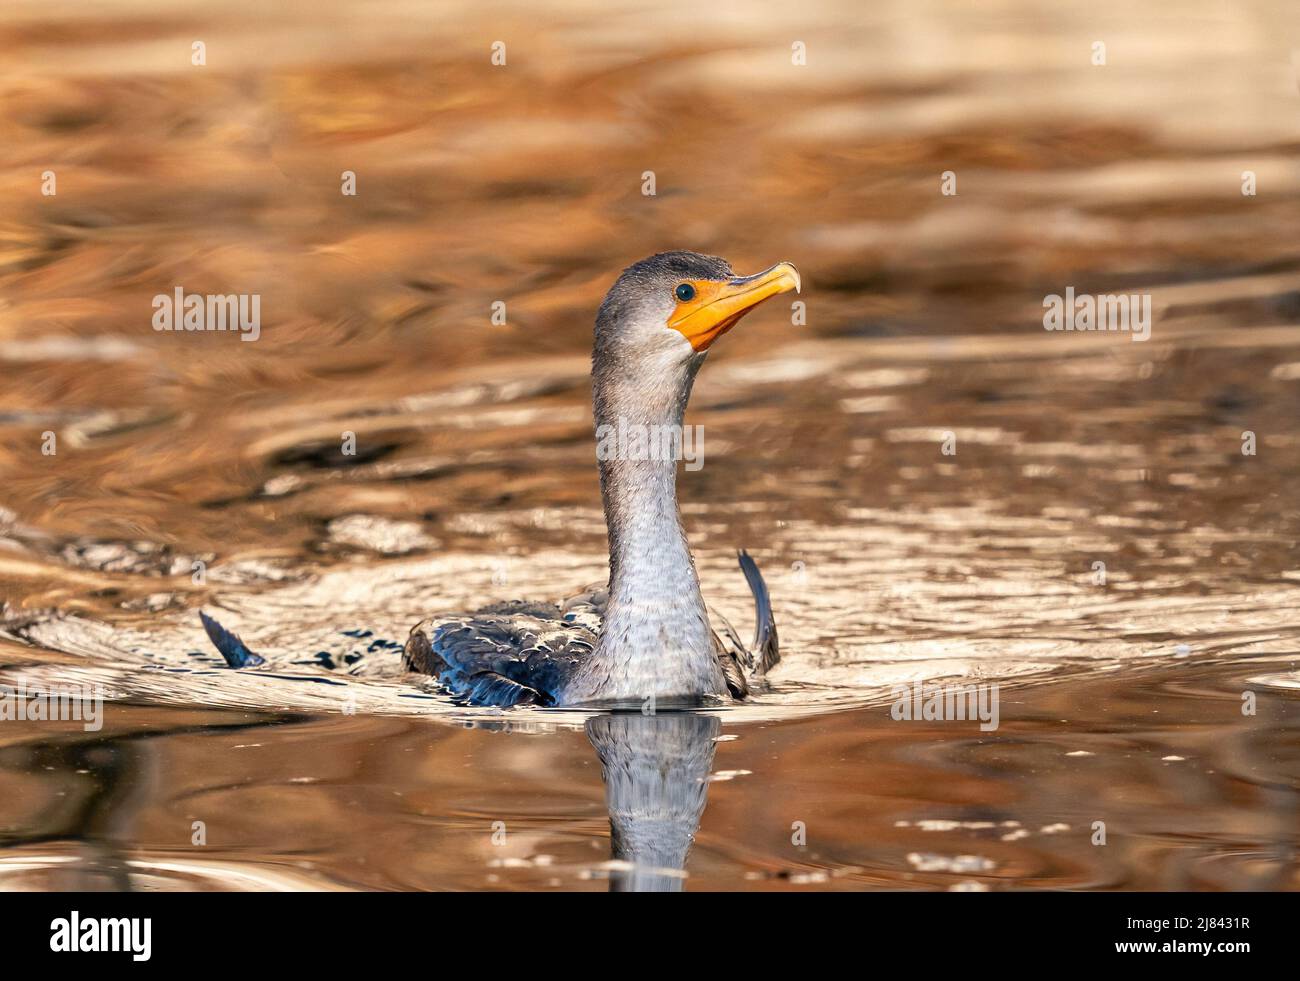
x,y
718,305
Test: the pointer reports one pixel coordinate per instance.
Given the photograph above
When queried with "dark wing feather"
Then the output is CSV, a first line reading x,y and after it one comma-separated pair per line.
x,y
767,647
233,649
510,654
733,657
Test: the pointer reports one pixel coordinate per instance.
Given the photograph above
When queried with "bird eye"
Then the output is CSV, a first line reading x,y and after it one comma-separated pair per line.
x,y
685,292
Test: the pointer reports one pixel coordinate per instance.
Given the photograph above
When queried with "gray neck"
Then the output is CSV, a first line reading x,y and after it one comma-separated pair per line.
x,y
656,640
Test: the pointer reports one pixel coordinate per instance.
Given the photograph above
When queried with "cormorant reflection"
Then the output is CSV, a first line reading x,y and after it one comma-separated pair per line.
x,y
656,770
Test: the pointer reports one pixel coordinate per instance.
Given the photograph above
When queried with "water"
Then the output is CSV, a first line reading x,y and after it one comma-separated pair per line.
x,y
889,561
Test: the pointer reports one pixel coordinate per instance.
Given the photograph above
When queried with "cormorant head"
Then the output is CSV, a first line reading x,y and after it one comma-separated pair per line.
x,y
667,310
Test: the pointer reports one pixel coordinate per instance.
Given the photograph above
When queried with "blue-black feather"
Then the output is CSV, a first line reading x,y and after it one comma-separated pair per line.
x,y
234,650
767,647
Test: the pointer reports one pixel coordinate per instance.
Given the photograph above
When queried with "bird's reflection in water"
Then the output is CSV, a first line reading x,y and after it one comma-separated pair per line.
x,y
656,770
